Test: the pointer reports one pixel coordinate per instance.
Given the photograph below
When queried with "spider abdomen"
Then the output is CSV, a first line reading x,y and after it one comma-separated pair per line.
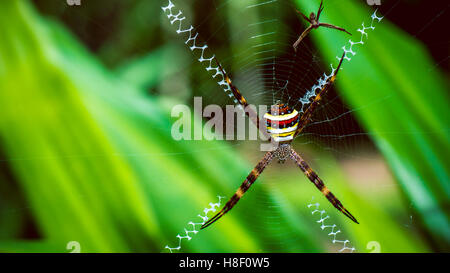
x,y
282,122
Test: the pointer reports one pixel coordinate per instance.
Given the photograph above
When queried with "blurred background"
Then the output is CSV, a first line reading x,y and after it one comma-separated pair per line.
x,y
88,163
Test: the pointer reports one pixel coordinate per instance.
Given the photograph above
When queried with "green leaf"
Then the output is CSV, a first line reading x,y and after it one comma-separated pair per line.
x,y
401,102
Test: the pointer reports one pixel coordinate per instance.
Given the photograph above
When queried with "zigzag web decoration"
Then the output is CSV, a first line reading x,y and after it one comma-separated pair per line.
x,y
188,233
311,93
306,100
191,42
334,231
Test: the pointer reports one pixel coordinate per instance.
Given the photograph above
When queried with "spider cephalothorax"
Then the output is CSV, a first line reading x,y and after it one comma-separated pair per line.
x,y
313,20
283,152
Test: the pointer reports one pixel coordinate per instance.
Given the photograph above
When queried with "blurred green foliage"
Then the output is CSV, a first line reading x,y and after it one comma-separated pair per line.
x,y
94,160
411,124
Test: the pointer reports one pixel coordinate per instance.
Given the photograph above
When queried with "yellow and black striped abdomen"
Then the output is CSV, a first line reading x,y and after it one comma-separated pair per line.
x,y
282,122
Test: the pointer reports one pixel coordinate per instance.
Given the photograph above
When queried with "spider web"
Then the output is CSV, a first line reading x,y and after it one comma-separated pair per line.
x,y
193,226
268,70
263,85
333,230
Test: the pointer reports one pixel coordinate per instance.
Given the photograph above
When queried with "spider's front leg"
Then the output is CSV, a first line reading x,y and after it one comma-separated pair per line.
x,y
301,37
251,178
334,27
320,185
253,116
321,7
307,114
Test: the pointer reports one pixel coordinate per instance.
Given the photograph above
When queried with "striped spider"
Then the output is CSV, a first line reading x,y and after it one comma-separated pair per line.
x,y
313,20
283,124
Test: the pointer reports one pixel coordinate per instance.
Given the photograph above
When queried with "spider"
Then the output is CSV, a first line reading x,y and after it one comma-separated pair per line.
x,y
283,124
314,23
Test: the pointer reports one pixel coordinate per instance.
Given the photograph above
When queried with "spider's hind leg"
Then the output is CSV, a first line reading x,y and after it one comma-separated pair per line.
x,y
251,178
314,178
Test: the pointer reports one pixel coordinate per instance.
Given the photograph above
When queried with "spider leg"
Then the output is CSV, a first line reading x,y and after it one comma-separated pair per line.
x,y
236,93
251,178
314,178
333,26
304,16
250,112
302,36
307,114
321,7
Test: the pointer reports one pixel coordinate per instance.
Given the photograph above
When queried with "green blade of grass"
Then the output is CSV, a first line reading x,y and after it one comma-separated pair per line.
x,y
402,102
96,160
